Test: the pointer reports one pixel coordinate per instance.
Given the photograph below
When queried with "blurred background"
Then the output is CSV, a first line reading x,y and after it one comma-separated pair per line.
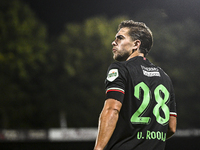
x,y
54,56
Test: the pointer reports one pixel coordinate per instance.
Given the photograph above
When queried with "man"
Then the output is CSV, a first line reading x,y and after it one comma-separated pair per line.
x,y
140,111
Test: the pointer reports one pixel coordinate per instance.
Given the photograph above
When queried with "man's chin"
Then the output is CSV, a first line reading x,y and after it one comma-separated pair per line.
x,y
119,58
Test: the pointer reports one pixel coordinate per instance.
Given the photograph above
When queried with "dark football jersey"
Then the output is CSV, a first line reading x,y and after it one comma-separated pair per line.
x,y
148,100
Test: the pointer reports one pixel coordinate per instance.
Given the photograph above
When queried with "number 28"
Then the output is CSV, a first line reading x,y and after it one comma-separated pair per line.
x,y
161,104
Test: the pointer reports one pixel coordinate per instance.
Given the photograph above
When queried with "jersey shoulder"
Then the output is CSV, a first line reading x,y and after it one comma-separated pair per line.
x,y
119,65
164,73
115,70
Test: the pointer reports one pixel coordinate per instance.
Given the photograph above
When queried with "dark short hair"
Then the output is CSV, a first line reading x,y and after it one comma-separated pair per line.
x,y
139,31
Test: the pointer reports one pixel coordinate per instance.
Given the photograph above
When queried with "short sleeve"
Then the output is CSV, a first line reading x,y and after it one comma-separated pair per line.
x,y
115,82
173,111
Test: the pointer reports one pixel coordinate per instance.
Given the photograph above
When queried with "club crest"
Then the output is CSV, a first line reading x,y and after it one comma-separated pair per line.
x,y
112,75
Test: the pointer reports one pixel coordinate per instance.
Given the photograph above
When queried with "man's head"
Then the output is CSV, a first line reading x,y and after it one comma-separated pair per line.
x,y
131,36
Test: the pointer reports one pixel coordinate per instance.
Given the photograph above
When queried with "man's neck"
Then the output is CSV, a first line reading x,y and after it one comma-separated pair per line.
x,y
136,53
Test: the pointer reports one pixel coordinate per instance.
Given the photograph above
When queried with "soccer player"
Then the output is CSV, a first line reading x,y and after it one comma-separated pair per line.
x,y
140,110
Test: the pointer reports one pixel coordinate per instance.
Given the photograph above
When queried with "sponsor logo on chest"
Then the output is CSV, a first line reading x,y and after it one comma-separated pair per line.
x,y
150,71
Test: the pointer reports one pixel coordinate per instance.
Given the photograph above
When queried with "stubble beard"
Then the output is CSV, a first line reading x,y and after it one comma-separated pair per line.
x,y
120,56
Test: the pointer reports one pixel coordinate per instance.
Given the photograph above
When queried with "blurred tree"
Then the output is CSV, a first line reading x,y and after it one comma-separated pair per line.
x,y
41,80
22,55
86,52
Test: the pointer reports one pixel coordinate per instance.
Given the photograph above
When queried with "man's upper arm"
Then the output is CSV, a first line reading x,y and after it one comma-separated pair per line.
x,y
112,104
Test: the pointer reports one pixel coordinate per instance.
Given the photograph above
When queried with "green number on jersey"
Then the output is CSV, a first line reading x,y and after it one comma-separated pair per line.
x,y
161,104
136,118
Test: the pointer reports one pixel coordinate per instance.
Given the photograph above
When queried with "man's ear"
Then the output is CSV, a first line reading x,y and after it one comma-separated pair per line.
x,y
136,44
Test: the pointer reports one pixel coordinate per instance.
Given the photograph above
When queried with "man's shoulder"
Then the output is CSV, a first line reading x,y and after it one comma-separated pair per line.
x,y
117,64
117,69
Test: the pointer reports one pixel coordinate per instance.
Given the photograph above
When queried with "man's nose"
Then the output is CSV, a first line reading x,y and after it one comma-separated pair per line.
x,y
114,43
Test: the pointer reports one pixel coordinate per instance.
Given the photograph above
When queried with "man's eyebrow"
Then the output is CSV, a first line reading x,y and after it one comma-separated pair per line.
x,y
119,36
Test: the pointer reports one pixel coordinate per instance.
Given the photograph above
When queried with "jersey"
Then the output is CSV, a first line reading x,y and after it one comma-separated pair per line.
x,y
148,100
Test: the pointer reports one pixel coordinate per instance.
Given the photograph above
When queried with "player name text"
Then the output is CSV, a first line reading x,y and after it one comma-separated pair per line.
x,y
152,135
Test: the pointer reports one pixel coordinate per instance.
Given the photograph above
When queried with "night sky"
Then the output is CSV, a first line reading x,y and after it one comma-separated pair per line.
x,y
56,13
